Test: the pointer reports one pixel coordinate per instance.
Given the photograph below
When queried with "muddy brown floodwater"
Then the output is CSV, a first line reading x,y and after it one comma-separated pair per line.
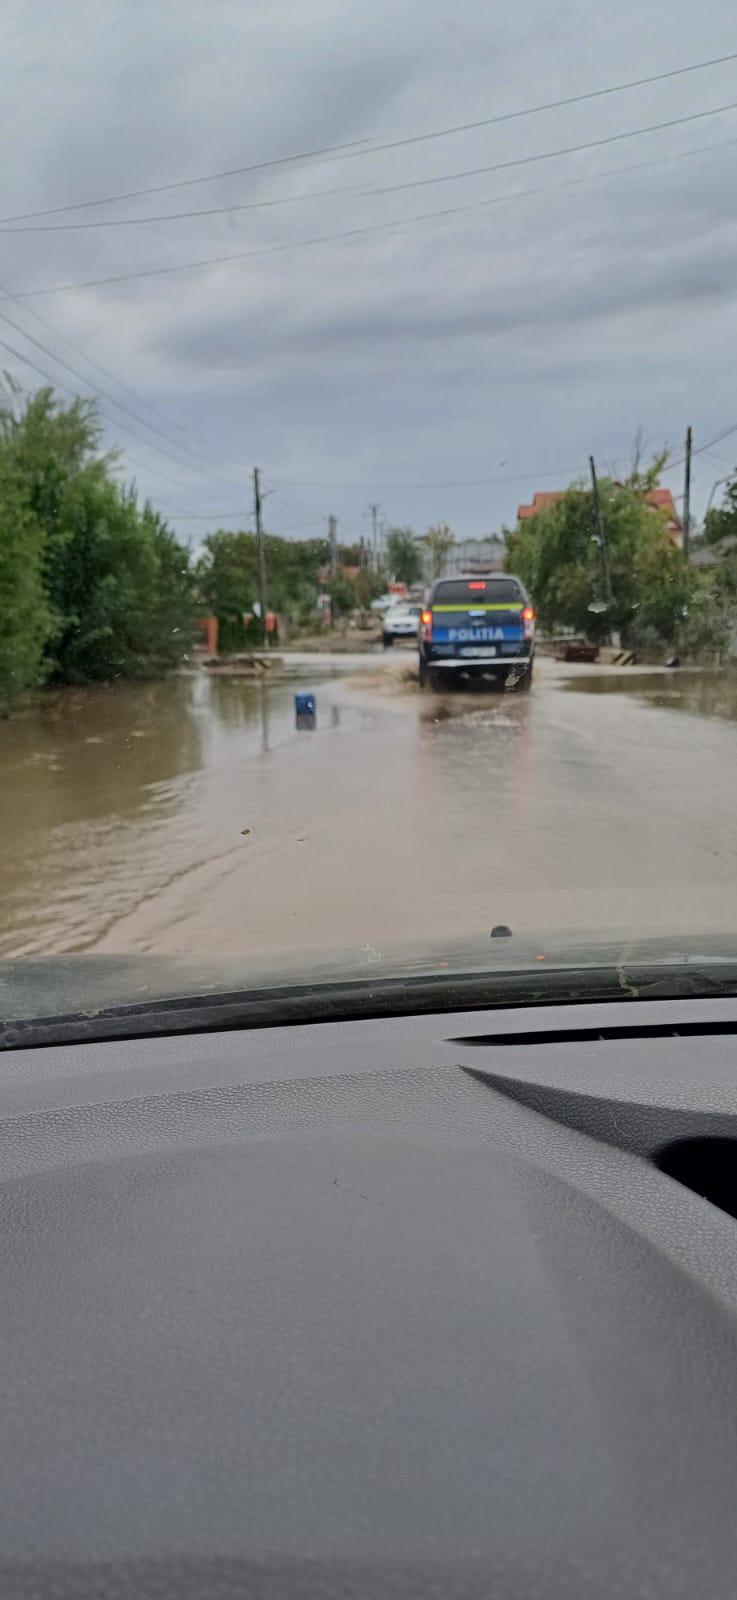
x,y
192,817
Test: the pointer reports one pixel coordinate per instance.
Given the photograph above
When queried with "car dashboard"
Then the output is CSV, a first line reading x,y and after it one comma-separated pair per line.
x,y
439,1305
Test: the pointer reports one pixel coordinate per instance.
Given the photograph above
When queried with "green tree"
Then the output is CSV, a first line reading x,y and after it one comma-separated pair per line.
x,y
439,541
171,600
343,594
105,588
121,592
721,521
369,585
227,584
25,618
228,579
403,555
557,555
712,622
350,555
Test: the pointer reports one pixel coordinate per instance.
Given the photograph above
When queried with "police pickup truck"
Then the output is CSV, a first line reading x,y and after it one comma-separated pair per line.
x,y
475,626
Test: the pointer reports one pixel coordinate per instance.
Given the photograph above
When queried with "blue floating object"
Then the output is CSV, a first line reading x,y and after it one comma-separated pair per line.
x,y
305,711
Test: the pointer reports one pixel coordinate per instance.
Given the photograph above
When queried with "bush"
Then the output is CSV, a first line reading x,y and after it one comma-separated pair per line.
x,y
559,558
25,617
91,586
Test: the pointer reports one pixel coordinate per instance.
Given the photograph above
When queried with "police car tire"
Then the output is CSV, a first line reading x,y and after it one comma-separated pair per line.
x,y
388,641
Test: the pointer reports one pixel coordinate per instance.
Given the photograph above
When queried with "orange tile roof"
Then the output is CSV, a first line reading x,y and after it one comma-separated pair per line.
x,y
659,499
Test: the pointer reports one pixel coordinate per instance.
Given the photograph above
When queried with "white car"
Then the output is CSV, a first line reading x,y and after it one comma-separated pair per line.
x,y
401,622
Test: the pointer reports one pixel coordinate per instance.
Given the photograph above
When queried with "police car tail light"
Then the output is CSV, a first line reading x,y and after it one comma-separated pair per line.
x,y
426,621
528,622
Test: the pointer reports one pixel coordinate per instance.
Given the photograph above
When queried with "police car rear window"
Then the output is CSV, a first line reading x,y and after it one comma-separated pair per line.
x,y
470,592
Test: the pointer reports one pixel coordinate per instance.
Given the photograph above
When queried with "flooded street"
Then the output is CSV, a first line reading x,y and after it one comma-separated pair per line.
x,y
192,817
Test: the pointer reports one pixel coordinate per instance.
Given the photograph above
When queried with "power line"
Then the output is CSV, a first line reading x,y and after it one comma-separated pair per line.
x,y
4,292
361,147
208,516
702,448
294,506
243,516
382,189
106,373
101,393
450,483
717,460
395,223
295,527
56,383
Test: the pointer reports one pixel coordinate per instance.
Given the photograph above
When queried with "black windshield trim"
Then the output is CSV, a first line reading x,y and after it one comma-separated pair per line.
x,y
390,997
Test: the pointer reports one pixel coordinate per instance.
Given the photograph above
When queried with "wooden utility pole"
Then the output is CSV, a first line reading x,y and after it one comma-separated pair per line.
x,y
687,497
261,553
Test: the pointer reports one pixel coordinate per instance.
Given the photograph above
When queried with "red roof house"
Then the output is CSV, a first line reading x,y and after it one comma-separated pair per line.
x,y
659,499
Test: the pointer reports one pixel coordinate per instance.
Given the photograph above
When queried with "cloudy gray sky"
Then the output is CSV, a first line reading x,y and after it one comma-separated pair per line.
x,y
444,367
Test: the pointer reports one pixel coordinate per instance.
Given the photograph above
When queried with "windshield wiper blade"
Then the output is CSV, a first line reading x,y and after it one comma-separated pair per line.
x,y
384,997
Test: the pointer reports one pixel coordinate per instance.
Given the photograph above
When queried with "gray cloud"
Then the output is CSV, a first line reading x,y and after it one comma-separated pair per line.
x,y
529,332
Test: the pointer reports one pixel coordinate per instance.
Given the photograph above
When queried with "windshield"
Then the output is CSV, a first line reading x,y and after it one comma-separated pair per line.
x,y
368,498
473,592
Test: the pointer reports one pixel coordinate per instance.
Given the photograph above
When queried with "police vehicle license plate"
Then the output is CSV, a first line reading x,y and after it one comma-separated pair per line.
x,y
479,650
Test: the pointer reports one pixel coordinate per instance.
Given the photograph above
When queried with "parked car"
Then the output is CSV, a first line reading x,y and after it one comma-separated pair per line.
x,y
478,626
401,622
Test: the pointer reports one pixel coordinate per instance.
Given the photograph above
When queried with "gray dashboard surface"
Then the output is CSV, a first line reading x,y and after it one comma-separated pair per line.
x,y
373,1309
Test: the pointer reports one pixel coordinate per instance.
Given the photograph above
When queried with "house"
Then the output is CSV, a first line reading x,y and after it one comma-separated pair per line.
x,y
659,499
474,558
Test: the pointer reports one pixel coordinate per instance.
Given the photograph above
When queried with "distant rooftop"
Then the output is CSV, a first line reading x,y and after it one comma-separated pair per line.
x,y
659,499
477,557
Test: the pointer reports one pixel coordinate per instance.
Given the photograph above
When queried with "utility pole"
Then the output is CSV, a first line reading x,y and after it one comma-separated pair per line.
x,y
383,529
374,509
603,546
333,539
687,497
261,552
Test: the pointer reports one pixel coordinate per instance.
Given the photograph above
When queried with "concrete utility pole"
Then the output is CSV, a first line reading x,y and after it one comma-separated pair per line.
x,y
374,509
687,497
333,539
604,547
383,531
261,552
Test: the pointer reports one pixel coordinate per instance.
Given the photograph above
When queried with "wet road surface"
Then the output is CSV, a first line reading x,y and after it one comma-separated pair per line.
x,y
191,817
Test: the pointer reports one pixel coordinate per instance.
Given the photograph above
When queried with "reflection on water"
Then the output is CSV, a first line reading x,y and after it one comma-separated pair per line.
x,y
706,694
193,817
110,792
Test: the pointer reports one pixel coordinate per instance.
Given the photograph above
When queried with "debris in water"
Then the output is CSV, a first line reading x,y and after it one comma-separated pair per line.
x,y
244,831
305,711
